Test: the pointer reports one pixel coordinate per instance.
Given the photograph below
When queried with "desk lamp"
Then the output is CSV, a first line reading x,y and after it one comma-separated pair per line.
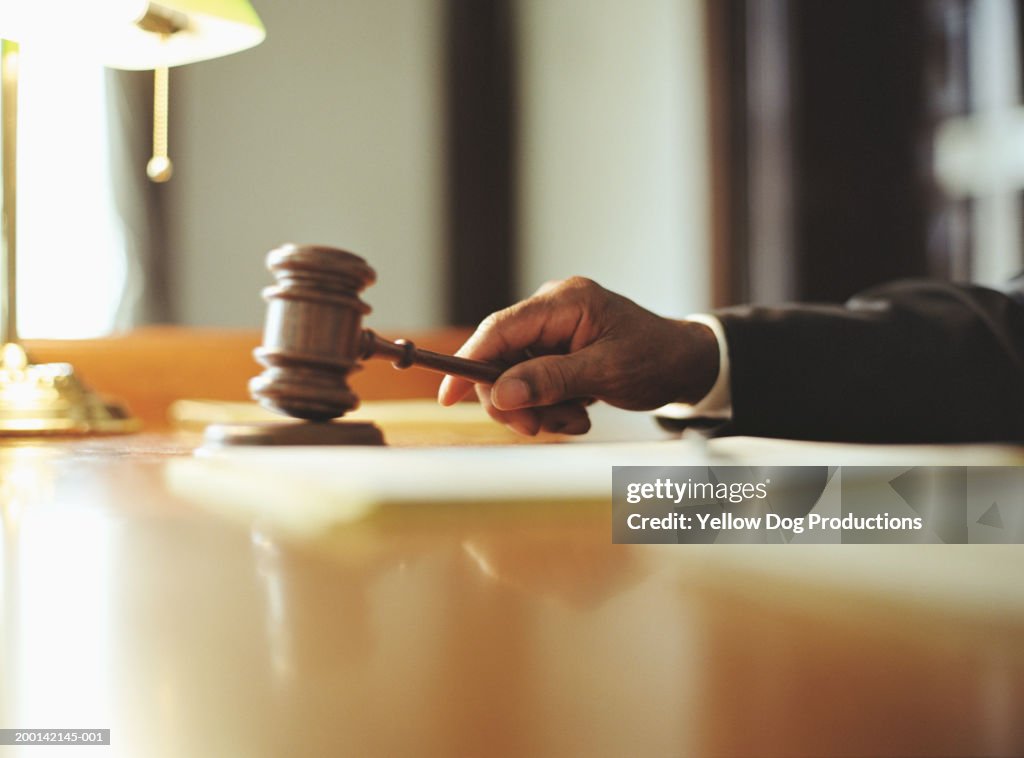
x,y
39,399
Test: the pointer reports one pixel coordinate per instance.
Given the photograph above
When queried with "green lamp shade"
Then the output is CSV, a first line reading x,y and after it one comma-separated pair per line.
x,y
120,33
209,29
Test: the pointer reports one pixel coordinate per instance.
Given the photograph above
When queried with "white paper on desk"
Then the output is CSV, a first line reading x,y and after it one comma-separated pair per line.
x,y
763,451
311,488
488,473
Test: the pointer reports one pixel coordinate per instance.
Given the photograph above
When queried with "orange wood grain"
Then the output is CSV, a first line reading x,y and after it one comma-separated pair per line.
x,y
151,367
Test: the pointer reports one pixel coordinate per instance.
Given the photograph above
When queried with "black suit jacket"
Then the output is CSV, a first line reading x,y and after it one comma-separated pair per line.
x,y
915,361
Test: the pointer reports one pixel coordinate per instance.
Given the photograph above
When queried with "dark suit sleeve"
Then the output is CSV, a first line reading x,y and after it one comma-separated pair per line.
x,y
906,362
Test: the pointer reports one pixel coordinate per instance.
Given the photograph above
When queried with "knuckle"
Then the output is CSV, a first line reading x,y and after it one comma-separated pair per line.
x,y
581,283
570,284
490,328
550,285
490,322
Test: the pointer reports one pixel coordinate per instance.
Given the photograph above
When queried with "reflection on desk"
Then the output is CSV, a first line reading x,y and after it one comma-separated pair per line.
x,y
471,629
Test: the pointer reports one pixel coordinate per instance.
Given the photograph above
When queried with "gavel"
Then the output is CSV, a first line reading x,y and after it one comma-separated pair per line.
x,y
313,336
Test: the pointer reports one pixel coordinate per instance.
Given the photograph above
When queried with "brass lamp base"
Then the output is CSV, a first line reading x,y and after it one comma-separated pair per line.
x,y
48,399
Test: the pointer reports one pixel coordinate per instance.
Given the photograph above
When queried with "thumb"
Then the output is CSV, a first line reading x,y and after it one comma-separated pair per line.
x,y
546,380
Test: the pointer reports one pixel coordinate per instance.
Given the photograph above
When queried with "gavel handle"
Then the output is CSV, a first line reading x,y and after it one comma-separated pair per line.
x,y
404,354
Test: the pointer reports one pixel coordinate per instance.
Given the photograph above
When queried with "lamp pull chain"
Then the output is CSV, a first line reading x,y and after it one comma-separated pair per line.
x,y
159,168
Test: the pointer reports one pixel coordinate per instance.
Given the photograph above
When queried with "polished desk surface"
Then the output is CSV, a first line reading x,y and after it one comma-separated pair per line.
x,y
465,631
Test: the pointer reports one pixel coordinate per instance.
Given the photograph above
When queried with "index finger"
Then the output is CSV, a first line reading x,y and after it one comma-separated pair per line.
x,y
539,322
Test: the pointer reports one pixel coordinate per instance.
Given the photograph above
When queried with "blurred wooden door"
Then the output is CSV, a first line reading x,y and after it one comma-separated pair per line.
x,y
824,117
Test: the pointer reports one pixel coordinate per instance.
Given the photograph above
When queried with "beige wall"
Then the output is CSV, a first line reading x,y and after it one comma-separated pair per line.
x,y
332,131
614,171
328,132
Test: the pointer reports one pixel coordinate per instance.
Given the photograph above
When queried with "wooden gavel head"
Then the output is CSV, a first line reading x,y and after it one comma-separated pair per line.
x,y
313,337
313,331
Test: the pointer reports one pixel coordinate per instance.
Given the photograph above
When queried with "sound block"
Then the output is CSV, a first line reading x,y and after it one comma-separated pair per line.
x,y
294,433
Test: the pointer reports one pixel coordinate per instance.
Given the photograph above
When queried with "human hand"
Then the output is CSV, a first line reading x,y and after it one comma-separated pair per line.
x,y
574,341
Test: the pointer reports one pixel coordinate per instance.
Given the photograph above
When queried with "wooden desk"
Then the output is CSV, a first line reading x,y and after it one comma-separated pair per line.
x,y
469,631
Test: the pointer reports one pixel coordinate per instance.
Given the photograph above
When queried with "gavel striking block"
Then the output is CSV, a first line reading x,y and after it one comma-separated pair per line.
x,y
313,339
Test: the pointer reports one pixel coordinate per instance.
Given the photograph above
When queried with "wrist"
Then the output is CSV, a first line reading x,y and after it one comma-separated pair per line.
x,y
697,362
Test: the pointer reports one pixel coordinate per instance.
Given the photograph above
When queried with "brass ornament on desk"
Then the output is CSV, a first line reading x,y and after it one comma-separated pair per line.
x,y
47,398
